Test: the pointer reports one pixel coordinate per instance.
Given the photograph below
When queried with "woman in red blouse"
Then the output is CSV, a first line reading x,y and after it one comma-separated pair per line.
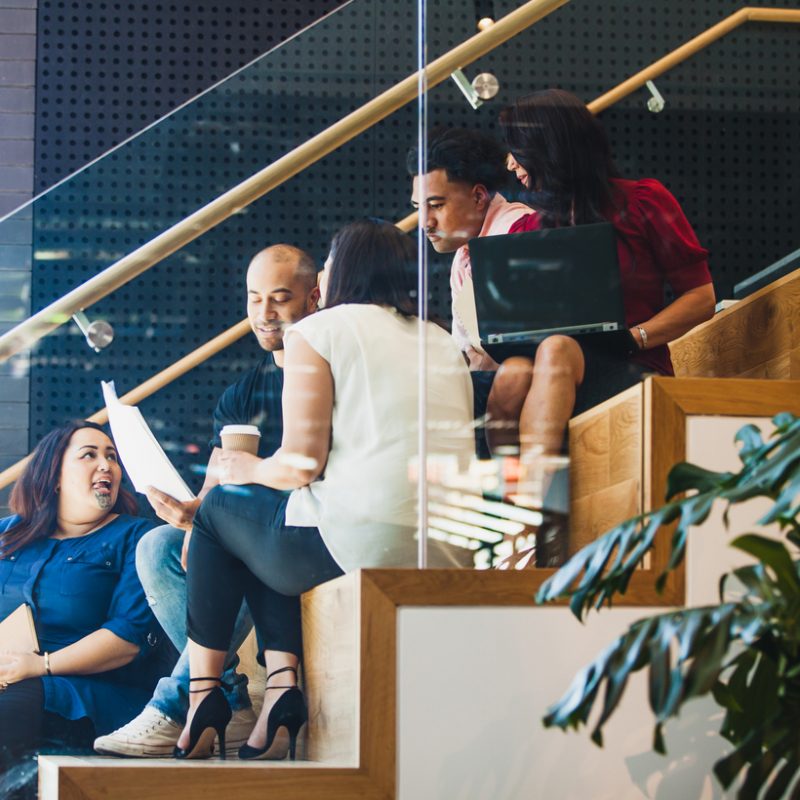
x,y
560,153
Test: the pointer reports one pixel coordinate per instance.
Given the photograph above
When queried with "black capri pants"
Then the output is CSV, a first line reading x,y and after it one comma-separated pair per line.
x,y
241,548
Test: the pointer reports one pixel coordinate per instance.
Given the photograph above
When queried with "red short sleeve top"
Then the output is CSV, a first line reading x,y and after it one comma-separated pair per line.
x,y
656,246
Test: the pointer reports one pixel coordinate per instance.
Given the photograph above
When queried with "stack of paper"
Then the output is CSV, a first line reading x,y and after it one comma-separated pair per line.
x,y
141,454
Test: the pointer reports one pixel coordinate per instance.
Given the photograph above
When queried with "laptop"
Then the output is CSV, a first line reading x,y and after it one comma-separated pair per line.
x,y
560,280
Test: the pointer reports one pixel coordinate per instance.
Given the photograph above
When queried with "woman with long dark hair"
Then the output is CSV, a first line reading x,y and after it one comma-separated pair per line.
x,y
68,552
350,417
560,154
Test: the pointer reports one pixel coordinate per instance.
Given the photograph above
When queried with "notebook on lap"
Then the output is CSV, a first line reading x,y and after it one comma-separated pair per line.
x,y
18,632
564,280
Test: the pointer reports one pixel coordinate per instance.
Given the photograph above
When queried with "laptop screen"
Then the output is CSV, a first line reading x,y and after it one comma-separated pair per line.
x,y
553,278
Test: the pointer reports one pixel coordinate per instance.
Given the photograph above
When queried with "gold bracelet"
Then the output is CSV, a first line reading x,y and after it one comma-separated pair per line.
x,y
47,662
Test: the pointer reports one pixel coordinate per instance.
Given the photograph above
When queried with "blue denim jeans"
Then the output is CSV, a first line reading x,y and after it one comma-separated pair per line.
x,y
158,562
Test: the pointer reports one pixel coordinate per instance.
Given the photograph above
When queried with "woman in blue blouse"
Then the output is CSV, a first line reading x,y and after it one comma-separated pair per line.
x,y
68,552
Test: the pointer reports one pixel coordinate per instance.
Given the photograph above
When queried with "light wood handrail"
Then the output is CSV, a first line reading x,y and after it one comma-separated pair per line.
x,y
689,49
24,335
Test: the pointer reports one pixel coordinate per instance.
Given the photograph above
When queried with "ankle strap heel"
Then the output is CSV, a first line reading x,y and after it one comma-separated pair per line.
x,y
210,719
283,669
289,713
220,683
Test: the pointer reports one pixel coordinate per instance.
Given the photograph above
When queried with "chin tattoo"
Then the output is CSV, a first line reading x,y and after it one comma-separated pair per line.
x,y
104,501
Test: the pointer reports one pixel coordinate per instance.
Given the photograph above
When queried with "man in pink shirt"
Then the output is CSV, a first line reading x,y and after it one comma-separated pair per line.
x,y
460,195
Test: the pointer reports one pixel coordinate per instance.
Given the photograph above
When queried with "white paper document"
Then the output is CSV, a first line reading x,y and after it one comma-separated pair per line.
x,y
464,309
141,454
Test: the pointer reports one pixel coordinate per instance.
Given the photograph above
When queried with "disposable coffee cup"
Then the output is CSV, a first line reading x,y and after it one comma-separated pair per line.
x,y
240,437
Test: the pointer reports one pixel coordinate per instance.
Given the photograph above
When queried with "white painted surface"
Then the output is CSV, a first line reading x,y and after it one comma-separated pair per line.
x,y
474,683
709,444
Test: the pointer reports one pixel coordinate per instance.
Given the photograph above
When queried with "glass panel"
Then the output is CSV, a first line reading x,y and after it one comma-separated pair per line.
x,y
84,224
136,191
510,508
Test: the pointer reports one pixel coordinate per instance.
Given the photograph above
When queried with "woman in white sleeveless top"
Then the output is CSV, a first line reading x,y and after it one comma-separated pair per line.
x,y
349,451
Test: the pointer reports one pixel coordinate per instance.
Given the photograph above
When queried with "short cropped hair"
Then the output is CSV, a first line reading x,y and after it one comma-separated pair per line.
x,y
465,155
305,267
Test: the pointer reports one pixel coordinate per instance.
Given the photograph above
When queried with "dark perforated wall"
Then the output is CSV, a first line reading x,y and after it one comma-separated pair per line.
x,y
105,70
725,145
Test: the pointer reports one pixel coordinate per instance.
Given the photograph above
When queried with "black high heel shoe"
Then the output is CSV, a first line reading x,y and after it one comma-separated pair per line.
x,y
210,719
288,712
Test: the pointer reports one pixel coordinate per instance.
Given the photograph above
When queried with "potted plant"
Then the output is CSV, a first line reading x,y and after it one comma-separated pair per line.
x,y
745,650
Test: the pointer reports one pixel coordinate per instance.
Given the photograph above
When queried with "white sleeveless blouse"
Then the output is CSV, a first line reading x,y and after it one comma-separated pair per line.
x,y
365,504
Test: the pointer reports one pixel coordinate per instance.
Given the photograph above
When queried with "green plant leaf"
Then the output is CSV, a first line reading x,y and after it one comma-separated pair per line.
x,y
629,656
784,421
785,776
749,437
725,696
784,503
727,768
745,651
557,585
775,555
659,674
573,708
658,739
685,477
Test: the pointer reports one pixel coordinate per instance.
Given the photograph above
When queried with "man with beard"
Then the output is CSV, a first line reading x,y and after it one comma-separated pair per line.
x,y
281,289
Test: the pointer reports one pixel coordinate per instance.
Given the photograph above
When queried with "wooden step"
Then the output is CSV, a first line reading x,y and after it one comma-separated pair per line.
x,y
351,634
758,337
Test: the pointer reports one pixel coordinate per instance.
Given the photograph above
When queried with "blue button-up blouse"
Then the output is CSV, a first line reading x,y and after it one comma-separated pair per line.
x,y
75,587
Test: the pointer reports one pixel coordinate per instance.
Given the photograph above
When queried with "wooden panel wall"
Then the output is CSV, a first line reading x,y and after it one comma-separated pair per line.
x,y
606,447
758,337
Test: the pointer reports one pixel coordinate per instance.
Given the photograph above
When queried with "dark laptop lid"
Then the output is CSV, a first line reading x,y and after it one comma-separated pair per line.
x,y
540,280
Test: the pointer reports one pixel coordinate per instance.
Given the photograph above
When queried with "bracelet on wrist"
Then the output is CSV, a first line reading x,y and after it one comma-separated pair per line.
x,y
47,663
643,337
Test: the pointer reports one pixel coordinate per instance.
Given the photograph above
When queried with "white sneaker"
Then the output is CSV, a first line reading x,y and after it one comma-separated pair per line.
x,y
238,731
151,734
154,735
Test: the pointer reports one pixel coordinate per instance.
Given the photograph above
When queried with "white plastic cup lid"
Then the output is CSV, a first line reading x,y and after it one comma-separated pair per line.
x,y
230,430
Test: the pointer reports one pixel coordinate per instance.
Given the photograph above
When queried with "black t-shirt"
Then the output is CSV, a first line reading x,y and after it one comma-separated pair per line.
x,y
255,399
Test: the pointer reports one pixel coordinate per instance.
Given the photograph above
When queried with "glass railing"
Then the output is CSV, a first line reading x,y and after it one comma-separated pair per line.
x,y
117,203
124,199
